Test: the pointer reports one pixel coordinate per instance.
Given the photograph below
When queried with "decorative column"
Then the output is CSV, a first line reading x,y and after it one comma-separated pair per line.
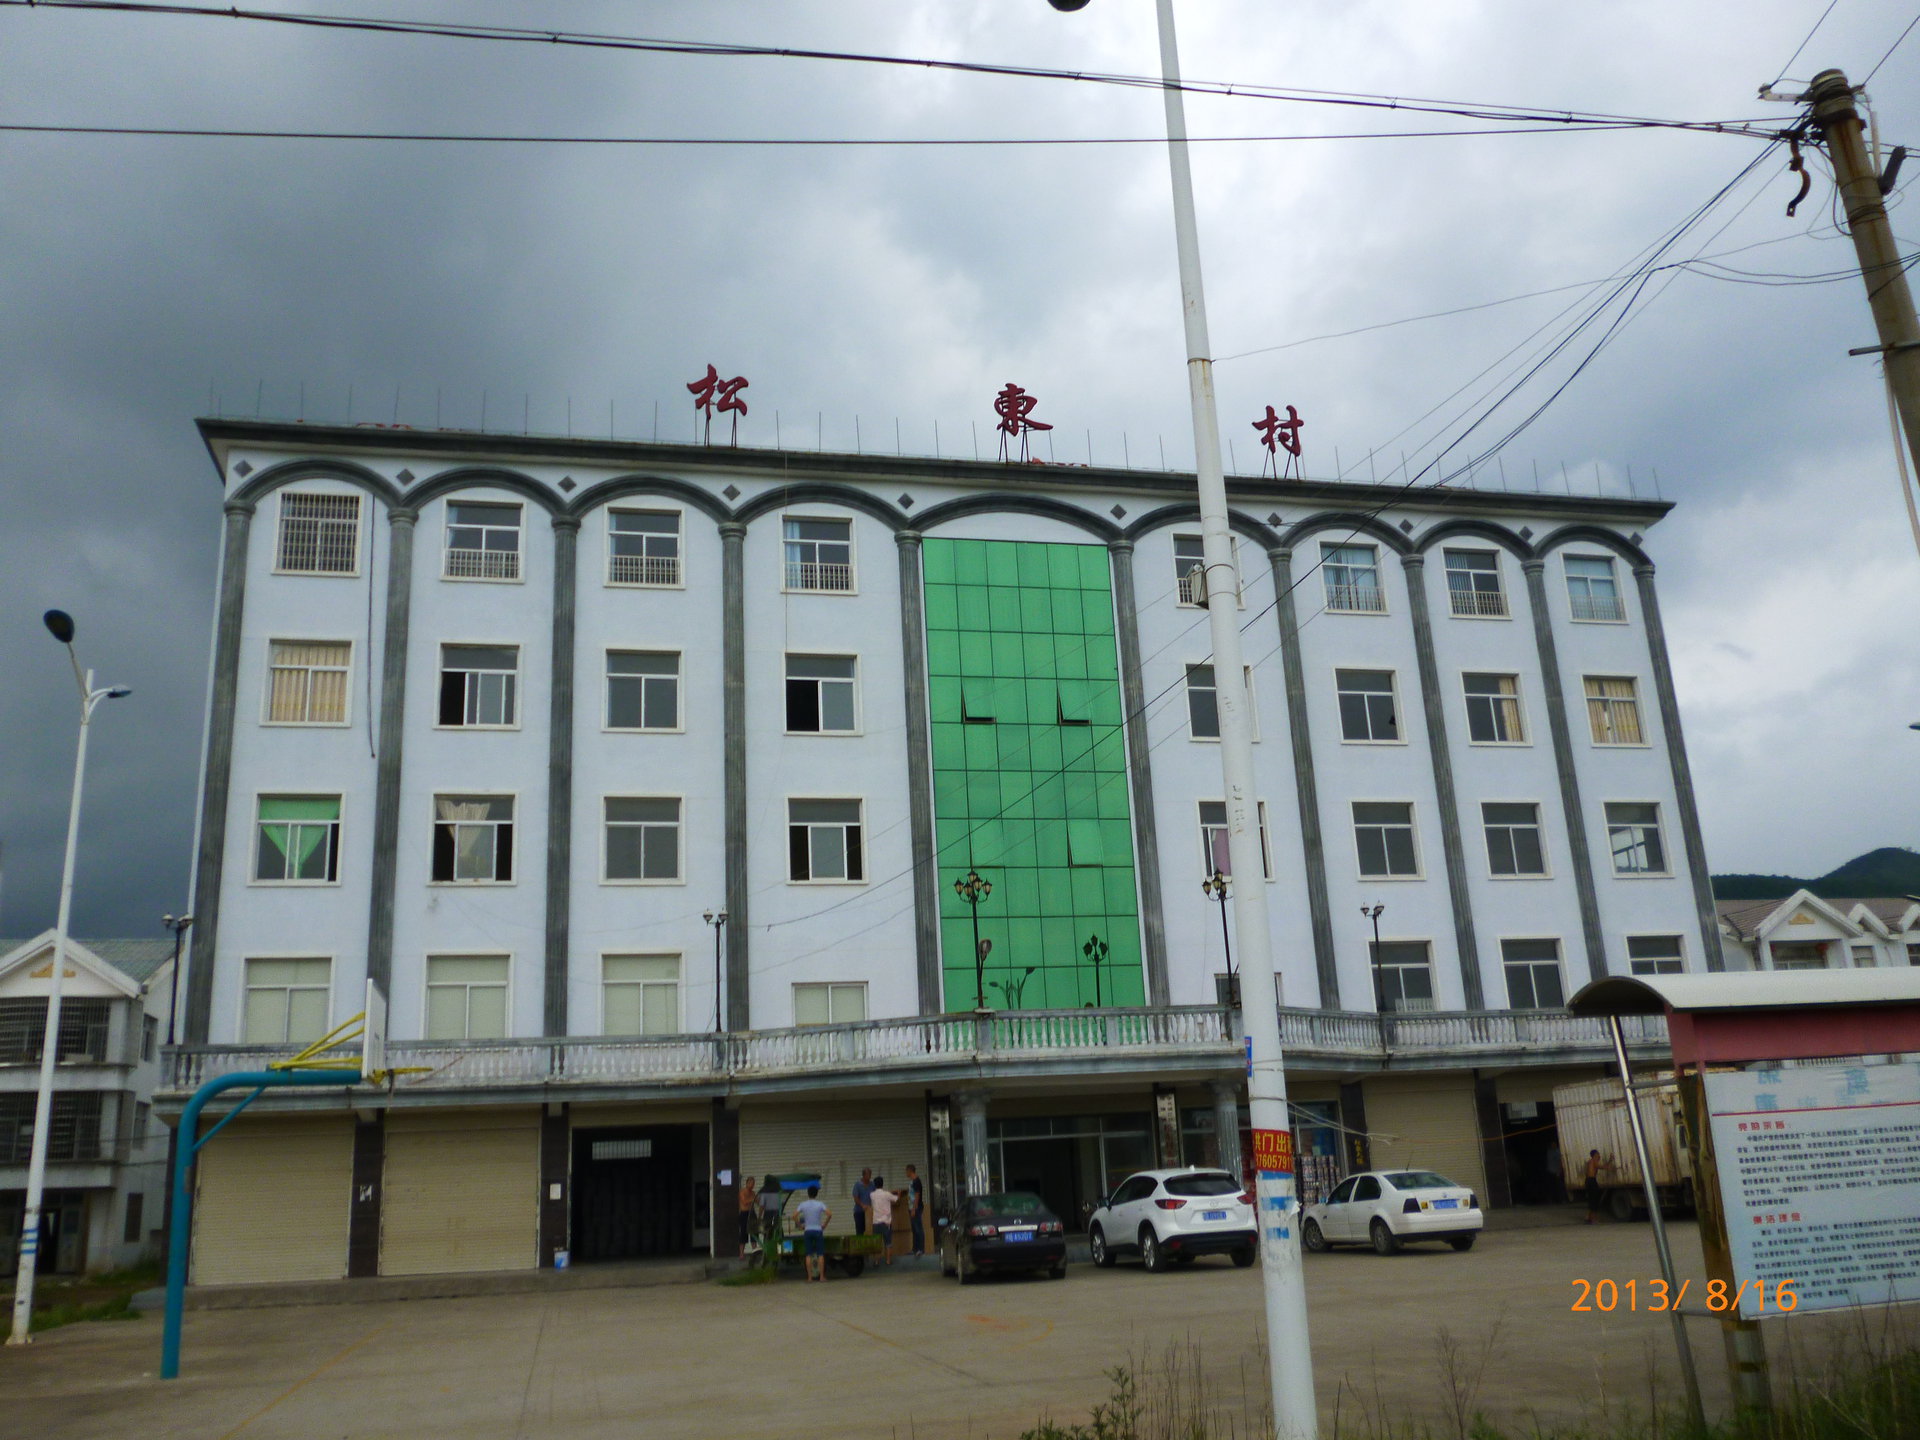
x,y
1697,871
1306,791
566,536
211,860
392,738
1226,1124
733,649
978,1179
1570,808
926,880
1146,832
1441,754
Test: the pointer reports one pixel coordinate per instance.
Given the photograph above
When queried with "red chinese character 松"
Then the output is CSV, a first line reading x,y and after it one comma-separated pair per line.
x,y
711,393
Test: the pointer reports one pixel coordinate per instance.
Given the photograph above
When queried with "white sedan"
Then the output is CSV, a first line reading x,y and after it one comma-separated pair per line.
x,y
1389,1208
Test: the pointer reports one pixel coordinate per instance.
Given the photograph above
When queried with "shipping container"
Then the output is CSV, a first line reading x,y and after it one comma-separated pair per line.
x,y
1592,1115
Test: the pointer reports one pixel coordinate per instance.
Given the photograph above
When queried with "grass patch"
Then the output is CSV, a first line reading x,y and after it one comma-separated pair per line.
x,y
69,1300
752,1275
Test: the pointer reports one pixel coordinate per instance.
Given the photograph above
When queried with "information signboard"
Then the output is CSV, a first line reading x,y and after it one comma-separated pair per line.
x,y
1820,1179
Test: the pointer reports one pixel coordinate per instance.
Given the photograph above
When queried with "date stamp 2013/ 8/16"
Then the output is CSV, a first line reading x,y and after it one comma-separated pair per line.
x,y
1608,1295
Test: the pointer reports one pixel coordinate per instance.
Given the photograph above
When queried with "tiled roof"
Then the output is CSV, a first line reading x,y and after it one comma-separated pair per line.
x,y
1742,916
136,959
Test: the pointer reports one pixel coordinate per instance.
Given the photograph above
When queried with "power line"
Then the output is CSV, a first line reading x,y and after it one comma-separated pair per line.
x,y
1806,41
1493,111
876,142
1890,49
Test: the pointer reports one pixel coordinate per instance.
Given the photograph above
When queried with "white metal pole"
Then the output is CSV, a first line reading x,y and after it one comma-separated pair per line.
x,y
1289,1358
22,1333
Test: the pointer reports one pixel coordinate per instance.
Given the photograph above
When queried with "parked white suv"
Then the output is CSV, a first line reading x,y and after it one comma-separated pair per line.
x,y
1171,1216
1388,1208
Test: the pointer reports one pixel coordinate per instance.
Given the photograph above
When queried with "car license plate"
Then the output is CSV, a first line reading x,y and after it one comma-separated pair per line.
x,y
1446,1204
1016,1234
1213,1214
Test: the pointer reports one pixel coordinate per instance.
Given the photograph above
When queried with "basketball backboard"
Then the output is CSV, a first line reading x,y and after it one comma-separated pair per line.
x,y
373,1036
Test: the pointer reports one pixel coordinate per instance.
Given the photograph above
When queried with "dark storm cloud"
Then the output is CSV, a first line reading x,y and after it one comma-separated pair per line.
x,y
148,279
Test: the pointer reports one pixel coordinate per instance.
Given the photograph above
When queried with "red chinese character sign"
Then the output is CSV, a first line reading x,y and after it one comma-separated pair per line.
x,y
1014,406
711,393
1277,435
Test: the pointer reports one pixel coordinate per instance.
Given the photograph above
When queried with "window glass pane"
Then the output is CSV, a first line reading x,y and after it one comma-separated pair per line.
x,y
1400,852
480,657
660,857
1382,812
643,662
620,1010
266,1019
1528,858
446,1012
799,529
467,969
843,812
820,667
836,705
637,968
1590,567
811,1005
848,1003
473,852
829,852
306,1014
299,807
1548,950
659,1009
487,1012
649,522
1500,813
632,809
623,703
472,512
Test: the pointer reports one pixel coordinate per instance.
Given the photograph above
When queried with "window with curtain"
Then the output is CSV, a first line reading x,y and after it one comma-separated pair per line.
x,y
467,997
299,840
1213,839
831,1003
1493,710
1613,710
1473,584
1591,591
640,995
286,1001
307,682
472,839
1352,577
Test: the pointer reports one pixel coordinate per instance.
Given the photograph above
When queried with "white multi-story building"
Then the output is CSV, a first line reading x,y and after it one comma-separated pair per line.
x,y
106,1151
504,724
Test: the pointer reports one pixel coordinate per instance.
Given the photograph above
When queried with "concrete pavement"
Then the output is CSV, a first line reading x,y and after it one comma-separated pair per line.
x,y
893,1354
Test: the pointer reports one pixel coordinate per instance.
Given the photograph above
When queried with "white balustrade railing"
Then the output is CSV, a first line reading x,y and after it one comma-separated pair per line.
x,y
930,1040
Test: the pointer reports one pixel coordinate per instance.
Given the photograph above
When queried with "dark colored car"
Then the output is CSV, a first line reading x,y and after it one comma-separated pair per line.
x,y
1005,1232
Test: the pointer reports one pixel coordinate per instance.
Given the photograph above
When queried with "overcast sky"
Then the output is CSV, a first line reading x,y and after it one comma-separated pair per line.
x,y
147,281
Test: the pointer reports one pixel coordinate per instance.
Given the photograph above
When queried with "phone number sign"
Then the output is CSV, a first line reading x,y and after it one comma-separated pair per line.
x,y
1273,1151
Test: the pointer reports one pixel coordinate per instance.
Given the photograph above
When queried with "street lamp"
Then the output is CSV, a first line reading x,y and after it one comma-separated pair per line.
x,y
1096,952
1215,886
179,925
60,625
1373,913
973,890
1282,1277
718,920
1014,991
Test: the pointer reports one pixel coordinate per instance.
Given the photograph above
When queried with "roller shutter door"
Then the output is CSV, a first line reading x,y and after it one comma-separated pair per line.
x,y
271,1201
837,1144
1428,1125
462,1192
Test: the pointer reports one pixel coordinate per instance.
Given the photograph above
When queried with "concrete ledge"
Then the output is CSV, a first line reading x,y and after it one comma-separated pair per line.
x,y
622,1275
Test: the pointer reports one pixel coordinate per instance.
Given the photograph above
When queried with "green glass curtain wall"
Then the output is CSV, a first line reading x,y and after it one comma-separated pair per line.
x,y
1030,782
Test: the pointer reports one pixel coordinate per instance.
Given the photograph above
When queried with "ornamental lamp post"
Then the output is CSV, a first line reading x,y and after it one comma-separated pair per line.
x,y
60,625
973,890
1215,887
718,920
1373,913
179,925
1096,952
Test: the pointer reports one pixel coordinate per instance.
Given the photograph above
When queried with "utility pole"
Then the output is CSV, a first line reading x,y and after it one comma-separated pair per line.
x,y
1873,243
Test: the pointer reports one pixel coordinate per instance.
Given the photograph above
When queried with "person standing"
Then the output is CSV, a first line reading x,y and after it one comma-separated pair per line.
x,y
862,1200
916,1211
770,1199
814,1216
1594,1166
881,1200
749,1197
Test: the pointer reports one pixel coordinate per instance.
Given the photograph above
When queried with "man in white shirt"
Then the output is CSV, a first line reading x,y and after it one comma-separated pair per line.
x,y
880,1201
814,1216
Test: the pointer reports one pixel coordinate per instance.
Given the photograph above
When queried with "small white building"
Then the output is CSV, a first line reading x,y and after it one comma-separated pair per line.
x,y
1805,932
106,1153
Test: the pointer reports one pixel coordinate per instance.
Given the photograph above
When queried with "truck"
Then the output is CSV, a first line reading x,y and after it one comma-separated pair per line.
x,y
1592,1115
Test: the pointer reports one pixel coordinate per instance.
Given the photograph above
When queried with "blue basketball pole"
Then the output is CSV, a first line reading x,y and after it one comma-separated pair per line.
x,y
191,1142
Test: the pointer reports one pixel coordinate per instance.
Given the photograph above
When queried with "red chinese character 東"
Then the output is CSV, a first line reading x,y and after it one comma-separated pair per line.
x,y
1014,406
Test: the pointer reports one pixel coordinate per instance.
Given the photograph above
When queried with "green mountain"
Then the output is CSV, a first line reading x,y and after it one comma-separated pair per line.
x,y
1890,870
